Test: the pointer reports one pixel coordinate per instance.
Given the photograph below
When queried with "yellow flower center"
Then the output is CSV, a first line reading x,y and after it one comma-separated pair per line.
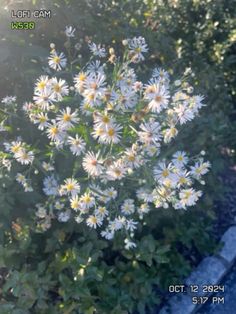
x,y
111,132
56,60
70,186
57,88
87,199
165,173
66,117
105,119
54,130
41,85
82,77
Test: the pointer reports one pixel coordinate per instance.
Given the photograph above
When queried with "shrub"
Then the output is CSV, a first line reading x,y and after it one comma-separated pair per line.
x,y
101,202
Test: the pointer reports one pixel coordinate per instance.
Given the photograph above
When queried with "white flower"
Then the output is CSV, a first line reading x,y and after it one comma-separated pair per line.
x,y
200,168
59,88
87,201
96,67
24,157
184,113
20,178
116,171
128,207
50,185
143,209
150,133
42,83
111,134
77,145
44,98
94,221
47,166
64,216
97,50
41,119
189,197
70,31
180,159
129,244
131,225
161,75
8,100
55,132
57,61
162,171
67,118
92,164
101,211
107,234
75,202
137,46
132,158
70,186
158,96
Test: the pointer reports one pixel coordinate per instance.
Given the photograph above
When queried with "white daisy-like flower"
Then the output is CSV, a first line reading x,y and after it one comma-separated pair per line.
x,y
183,178
189,197
41,119
92,164
128,207
42,83
66,119
158,97
129,244
137,47
24,157
50,185
150,132
20,178
116,171
163,171
59,88
170,133
79,81
97,50
57,61
70,31
131,225
75,202
101,211
44,98
108,234
161,75
55,132
180,159
47,166
200,168
94,221
143,209
87,200
70,186
64,216
77,145
96,67
184,113
8,100
111,134
132,158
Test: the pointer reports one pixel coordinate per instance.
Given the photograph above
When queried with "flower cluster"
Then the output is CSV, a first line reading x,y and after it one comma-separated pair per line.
x,y
113,129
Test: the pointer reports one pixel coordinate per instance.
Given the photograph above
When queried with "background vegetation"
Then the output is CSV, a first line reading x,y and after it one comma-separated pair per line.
x,y
70,270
